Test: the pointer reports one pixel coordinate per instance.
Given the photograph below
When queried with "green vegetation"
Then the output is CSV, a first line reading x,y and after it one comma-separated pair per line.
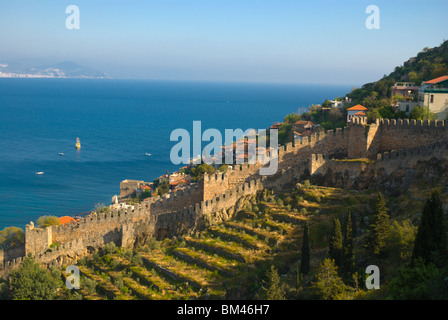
x,y
280,246
46,221
335,245
348,256
431,239
32,282
328,284
379,228
197,173
161,187
101,208
427,65
305,259
328,118
377,96
274,289
11,236
419,113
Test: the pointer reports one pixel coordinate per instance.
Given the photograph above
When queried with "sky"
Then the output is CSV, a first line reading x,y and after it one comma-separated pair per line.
x,y
280,41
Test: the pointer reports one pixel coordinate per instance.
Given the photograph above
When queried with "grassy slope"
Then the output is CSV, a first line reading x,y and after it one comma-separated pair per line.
x,y
230,260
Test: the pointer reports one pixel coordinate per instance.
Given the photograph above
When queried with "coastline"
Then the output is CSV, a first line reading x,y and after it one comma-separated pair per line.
x,y
50,132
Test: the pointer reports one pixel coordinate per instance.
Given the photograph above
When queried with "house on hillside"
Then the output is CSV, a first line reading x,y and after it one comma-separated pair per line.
x,y
407,106
276,125
130,187
405,89
178,180
352,112
339,103
433,94
302,126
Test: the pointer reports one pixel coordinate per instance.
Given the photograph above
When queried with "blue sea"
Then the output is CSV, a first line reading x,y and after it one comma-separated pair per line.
x,y
118,122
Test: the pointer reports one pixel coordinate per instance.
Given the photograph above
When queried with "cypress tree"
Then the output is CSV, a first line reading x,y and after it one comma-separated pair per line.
x,y
431,236
348,255
305,260
336,243
379,229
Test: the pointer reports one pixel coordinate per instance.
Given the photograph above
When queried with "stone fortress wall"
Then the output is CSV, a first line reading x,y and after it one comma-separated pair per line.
x,y
358,156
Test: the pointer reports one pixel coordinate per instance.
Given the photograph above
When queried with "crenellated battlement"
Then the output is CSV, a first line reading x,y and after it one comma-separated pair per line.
x,y
414,123
416,152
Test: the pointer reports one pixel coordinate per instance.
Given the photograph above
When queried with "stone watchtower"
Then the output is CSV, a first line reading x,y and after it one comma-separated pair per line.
x,y
36,239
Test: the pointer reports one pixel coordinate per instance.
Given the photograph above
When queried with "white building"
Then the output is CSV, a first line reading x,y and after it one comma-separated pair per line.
x,y
407,106
353,111
433,94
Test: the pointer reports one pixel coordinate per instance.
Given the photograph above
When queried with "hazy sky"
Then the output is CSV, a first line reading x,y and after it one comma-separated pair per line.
x,y
313,41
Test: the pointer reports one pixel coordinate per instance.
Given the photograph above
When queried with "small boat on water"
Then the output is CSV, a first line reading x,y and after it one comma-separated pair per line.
x,y
78,144
39,173
61,154
148,154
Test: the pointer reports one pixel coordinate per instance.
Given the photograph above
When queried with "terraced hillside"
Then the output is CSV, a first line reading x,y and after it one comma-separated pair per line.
x,y
225,261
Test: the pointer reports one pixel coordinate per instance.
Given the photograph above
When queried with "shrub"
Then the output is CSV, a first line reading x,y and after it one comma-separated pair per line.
x,y
101,208
31,282
109,248
46,221
306,184
137,259
124,290
118,282
4,290
418,282
328,285
152,244
11,236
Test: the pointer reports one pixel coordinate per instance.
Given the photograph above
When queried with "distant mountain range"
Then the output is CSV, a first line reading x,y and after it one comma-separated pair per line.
x,y
66,69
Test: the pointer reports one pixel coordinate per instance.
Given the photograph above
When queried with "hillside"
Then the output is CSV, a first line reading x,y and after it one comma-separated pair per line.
x,y
233,260
430,63
375,96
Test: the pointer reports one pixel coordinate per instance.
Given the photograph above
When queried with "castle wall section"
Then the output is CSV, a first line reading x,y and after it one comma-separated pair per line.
x,y
398,134
178,199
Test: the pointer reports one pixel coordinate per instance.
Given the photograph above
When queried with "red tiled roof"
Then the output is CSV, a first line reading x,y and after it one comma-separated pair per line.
x,y
178,182
437,80
146,188
66,219
357,108
303,122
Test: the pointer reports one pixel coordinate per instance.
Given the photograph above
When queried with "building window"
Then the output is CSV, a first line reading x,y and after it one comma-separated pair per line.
x,y
407,108
432,98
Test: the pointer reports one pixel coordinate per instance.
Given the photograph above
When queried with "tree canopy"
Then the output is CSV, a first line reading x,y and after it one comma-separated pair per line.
x,y
31,282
